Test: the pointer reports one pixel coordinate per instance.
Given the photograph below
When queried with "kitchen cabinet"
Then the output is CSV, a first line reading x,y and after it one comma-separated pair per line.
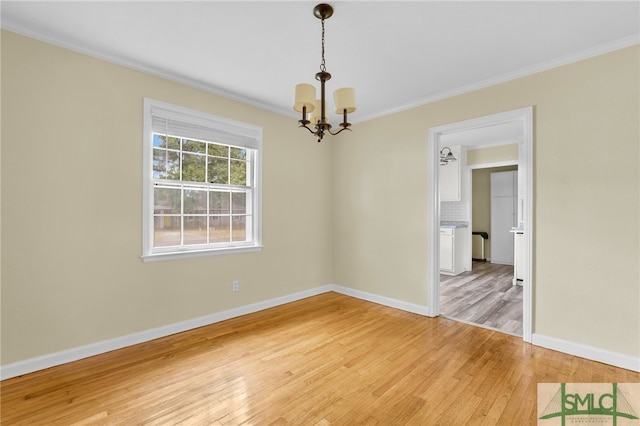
x,y
450,180
452,250
446,250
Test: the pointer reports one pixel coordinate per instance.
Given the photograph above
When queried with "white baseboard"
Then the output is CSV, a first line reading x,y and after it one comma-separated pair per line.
x,y
51,360
588,352
382,300
70,355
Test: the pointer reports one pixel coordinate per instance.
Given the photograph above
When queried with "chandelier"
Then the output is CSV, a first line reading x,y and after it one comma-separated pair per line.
x,y
305,96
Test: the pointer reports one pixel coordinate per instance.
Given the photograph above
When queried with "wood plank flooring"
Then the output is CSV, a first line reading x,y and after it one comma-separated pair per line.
x,y
484,296
326,360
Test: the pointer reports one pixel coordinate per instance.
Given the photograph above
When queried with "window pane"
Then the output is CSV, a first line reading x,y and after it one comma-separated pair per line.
x,y
160,163
219,202
166,231
195,230
238,172
194,146
160,141
174,143
218,171
218,150
195,201
219,229
166,164
193,168
239,203
166,200
240,228
239,153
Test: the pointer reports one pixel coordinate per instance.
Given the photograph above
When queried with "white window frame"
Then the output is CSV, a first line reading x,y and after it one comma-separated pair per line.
x,y
230,132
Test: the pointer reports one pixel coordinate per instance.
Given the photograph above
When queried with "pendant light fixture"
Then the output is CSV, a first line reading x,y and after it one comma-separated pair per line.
x,y
305,97
446,158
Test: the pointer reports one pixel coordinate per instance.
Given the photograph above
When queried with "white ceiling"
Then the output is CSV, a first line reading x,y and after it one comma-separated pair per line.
x,y
396,54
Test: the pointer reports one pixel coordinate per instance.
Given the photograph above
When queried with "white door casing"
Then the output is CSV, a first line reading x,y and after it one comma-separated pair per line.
x,y
524,118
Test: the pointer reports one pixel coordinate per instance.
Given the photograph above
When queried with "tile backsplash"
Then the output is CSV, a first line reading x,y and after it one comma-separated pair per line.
x,y
453,211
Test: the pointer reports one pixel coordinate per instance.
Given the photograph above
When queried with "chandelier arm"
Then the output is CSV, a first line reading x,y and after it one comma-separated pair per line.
x,y
309,129
344,128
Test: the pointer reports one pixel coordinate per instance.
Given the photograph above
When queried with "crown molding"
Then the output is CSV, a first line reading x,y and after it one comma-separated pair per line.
x,y
117,60
523,72
219,91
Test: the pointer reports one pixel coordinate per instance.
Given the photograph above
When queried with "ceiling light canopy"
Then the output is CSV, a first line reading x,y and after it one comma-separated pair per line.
x,y
314,111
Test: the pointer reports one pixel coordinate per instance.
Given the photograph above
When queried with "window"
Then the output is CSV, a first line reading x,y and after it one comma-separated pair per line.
x,y
201,184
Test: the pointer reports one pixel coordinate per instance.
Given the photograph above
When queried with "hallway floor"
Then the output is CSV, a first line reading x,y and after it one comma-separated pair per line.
x,y
484,296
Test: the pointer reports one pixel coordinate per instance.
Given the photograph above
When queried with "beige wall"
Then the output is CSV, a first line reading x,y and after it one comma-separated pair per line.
x,y
72,207
492,154
72,203
586,208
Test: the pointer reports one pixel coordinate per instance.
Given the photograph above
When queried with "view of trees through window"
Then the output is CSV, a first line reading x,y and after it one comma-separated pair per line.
x,y
201,192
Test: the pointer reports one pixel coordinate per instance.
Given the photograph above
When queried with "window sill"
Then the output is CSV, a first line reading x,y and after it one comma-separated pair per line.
x,y
174,255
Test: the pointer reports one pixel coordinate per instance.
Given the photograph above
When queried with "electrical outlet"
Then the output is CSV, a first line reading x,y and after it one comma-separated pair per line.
x,y
235,286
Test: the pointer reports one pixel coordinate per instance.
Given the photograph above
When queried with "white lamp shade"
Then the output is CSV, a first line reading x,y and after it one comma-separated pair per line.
x,y
345,98
315,117
305,96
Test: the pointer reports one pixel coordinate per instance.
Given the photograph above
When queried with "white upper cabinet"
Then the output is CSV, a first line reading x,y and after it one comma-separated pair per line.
x,y
450,179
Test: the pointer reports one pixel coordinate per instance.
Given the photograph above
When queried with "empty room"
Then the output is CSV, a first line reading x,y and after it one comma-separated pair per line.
x,y
227,213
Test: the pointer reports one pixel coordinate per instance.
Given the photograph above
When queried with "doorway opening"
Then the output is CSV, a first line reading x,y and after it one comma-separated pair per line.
x,y
483,132
486,294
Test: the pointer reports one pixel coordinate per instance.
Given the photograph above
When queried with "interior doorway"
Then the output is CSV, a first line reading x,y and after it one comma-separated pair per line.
x,y
522,121
487,295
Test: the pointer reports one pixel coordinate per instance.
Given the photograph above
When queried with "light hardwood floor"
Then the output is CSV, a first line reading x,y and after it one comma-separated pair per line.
x,y
328,359
484,296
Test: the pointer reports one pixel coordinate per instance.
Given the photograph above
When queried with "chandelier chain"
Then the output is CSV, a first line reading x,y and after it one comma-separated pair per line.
x,y
323,66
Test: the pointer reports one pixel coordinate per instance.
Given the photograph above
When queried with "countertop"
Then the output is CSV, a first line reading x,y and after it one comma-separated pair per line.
x,y
454,224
